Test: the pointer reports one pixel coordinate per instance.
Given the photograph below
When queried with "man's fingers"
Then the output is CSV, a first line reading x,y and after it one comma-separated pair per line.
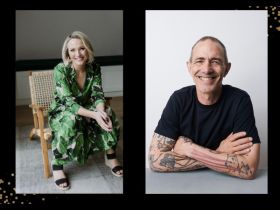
x,y
242,141
238,135
243,146
230,134
243,152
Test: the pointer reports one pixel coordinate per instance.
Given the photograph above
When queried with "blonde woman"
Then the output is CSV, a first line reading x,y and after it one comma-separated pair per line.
x,y
81,123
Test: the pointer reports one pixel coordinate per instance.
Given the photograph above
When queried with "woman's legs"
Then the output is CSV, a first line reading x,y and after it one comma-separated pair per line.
x,y
110,158
66,136
60,179
107,141
113,163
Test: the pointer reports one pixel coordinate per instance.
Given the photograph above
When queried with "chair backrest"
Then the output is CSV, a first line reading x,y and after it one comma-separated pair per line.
x,y
42,88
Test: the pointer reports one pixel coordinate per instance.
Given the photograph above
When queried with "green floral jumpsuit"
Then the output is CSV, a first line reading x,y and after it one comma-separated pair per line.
x,y
74,137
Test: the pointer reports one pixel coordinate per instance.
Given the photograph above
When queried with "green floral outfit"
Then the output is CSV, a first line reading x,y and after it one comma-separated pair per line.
x,y
75,137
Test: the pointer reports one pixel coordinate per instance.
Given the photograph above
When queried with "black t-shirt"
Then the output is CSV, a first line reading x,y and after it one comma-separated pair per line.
x,y
208,125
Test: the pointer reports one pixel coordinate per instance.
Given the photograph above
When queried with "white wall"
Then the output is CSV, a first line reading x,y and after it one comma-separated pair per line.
x,y
41,33
112,82
169,38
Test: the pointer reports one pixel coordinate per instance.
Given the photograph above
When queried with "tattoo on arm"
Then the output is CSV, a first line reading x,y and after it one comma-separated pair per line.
x,y
164,143
236,166
228,163
186,139
163,159
168,161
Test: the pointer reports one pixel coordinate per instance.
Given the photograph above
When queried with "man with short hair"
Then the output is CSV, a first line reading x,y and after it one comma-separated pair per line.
x,y
208,124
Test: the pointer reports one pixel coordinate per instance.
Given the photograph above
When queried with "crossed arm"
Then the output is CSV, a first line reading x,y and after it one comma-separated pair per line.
x,y
235,156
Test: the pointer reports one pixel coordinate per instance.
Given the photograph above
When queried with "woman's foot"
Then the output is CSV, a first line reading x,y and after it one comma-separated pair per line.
x,y
60,179
112,162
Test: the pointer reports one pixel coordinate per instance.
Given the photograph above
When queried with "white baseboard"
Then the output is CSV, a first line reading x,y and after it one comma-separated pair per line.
x,y
113,94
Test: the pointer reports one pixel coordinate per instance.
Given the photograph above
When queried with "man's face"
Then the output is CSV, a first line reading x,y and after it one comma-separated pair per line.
x,y
208,66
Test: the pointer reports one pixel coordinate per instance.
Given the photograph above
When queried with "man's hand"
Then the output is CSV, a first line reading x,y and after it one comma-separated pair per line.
x,y
236,144
182,146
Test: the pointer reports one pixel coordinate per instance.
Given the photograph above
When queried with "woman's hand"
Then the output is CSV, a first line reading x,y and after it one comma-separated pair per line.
x,y
103,120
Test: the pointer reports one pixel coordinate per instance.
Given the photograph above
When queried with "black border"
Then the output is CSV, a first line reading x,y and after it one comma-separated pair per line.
x,y
134,117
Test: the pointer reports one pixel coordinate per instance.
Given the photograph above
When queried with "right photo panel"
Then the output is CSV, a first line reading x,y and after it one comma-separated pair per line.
x,y
206,101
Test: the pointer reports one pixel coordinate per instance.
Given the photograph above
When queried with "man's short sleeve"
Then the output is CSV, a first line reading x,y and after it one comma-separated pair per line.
x,y
245,120
168,124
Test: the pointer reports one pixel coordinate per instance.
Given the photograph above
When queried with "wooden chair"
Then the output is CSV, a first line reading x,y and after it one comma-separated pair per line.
x,y
41,85
41,88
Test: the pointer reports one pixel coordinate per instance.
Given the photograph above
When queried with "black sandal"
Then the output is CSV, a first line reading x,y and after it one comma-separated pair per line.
x,y
115,169
58,182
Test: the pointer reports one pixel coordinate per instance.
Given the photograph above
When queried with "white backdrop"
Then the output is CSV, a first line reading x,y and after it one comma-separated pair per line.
x,y
169,38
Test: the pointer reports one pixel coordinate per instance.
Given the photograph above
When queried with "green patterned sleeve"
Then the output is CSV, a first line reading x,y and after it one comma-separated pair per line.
x,y
97,93
63,91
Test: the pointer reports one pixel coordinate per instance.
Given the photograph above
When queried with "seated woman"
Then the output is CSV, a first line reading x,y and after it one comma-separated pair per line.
x,y
81,123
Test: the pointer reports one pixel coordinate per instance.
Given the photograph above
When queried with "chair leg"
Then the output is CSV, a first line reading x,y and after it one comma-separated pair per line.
x,y
35,118
33,131
44,147
32,134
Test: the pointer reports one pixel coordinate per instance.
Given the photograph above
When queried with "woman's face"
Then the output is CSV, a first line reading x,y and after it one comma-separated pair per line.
x,y
77,52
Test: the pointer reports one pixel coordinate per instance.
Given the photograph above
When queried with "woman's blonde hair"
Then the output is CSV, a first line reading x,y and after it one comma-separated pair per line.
x,y
77,35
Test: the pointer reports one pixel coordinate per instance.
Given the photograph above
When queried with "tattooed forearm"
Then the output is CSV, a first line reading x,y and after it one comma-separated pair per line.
x,y
186,139
163,159
161,137
228,163
164,143
237,166
168,161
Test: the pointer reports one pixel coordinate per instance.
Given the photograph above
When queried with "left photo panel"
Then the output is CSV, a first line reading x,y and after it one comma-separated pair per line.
x,y
69,101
